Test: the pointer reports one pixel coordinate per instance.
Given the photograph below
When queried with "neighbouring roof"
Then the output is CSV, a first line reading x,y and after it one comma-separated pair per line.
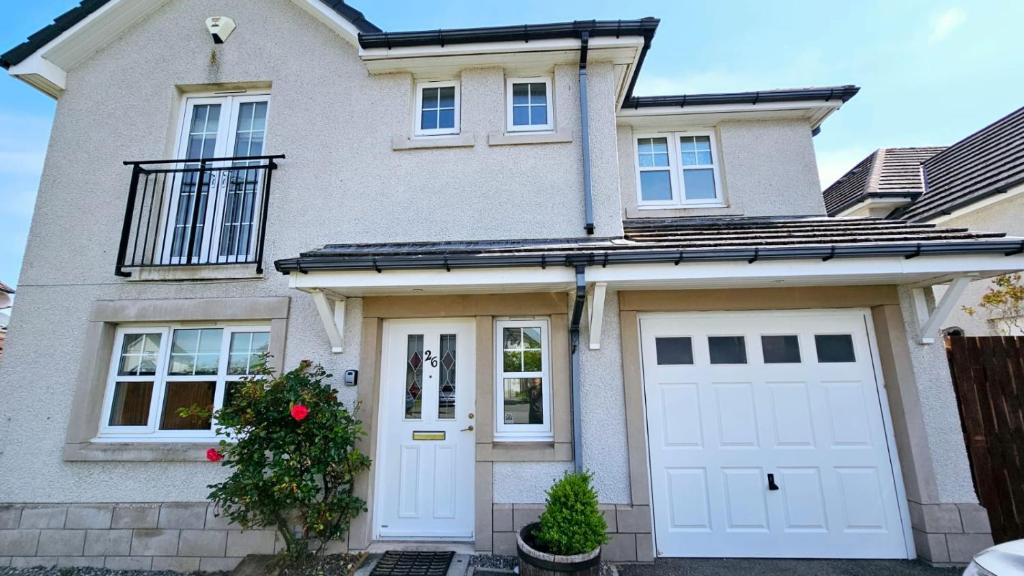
x,y
671,240
940,179
988,162
885,172
67,20
6,289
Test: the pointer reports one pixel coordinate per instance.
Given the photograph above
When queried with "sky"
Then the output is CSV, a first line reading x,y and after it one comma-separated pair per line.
x,y
930,72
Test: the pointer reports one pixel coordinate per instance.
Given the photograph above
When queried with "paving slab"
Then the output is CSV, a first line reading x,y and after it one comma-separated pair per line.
x,y
771,567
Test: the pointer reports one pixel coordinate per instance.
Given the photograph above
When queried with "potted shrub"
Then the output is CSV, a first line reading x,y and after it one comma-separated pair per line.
x,y
569,535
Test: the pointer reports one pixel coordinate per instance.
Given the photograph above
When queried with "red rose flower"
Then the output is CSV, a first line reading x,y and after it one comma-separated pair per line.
x,y
299,412
213,456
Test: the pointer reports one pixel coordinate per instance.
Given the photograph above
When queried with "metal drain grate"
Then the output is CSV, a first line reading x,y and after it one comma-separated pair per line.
x,y
412,563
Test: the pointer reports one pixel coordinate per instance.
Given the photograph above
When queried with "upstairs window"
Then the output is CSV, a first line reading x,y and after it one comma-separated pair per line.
x,y
677,170
529,104
437,108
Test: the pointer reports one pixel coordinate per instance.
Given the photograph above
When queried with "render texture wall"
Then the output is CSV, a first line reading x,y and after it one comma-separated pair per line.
x,y
767,168
1003,216
945,439
342,179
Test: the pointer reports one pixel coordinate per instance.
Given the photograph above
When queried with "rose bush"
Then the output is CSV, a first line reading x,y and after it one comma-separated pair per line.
x,y
291,447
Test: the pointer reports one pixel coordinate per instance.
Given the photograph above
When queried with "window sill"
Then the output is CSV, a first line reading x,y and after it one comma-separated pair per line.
x,y
524,451
426,142
138,451
681,206
184,273
525,137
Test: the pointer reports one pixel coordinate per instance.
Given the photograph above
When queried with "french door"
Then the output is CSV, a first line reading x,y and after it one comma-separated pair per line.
x,y
219,199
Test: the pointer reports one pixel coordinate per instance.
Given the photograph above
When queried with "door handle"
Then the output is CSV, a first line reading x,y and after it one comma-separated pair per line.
x,y
469,428
771,482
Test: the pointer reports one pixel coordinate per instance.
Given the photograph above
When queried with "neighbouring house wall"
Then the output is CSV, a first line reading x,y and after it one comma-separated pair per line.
x,y
767,168
1003,216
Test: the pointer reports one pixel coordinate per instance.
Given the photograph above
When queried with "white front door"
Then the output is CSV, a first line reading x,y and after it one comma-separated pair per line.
x,y
767,436
426,451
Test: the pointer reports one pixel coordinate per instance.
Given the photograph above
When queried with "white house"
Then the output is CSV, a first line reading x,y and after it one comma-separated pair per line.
x,y
648,288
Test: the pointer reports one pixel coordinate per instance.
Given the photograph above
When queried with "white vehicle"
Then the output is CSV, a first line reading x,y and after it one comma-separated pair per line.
x,y
1002,560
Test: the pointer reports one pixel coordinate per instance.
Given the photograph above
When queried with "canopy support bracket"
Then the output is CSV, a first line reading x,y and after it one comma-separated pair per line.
x,y
332,314
931,322
595,313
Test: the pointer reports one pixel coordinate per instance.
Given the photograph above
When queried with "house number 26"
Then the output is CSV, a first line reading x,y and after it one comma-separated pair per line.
x,y
429,357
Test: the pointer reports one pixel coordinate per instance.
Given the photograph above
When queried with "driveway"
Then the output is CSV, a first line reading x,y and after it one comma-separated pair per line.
x,y
731,567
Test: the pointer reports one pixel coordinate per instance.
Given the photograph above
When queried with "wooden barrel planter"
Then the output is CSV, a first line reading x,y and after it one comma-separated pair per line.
x,y
534,562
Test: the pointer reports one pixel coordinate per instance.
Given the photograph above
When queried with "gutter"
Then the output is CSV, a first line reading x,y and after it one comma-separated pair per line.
x,y
841,93
574,367
449,261
522,33
588,194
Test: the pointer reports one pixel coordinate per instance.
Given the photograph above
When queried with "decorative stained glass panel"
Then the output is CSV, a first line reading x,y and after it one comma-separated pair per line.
x,y
446,387
414,377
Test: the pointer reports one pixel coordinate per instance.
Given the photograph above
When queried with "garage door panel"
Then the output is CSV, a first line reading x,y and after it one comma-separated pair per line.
x,y
688,506
717,430
681,416
745,507
862,499
803,499
791,414
848,418
735,414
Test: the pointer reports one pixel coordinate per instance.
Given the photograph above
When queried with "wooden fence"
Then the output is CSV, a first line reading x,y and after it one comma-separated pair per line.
x,y
988,375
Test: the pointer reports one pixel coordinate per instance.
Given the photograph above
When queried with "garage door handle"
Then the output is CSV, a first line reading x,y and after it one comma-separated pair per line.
x,y
771,482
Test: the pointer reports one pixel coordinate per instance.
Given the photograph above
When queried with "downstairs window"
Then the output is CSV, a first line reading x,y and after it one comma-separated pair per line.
x,y
523,384
165,382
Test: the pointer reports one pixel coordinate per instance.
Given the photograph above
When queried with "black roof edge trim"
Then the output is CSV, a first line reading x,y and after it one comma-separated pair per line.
x,y
523,32
67,20
843,93
46,34
667,255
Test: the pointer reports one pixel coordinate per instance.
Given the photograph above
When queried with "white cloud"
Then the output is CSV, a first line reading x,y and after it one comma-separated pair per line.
x,y
945,23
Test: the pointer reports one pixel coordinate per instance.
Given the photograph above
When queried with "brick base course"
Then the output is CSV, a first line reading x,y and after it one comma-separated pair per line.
x,y
179,536
629,530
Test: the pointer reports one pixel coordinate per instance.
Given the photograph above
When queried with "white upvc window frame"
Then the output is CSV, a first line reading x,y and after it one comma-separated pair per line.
x,y
676,169
151,431
549,103
522,432
418,114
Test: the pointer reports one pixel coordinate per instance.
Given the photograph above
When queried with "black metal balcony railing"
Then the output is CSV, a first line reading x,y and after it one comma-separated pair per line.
x,y
196,212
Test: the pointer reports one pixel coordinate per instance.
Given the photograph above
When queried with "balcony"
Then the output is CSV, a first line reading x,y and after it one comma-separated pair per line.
x,y
200,212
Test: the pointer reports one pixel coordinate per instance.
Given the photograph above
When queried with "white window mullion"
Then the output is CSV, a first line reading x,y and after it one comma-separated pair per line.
x,y
675,164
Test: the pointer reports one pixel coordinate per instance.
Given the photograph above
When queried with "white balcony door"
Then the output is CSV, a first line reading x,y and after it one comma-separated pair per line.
x,y
426,453
229,197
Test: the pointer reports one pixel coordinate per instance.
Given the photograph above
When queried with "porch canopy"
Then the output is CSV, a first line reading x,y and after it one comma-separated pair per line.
x,y
676,253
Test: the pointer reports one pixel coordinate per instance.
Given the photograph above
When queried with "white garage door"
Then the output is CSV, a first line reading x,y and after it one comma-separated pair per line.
x,y
767,437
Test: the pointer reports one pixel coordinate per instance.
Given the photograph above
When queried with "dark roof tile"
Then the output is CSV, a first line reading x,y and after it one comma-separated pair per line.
x,y
670,240
988,162
886,172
